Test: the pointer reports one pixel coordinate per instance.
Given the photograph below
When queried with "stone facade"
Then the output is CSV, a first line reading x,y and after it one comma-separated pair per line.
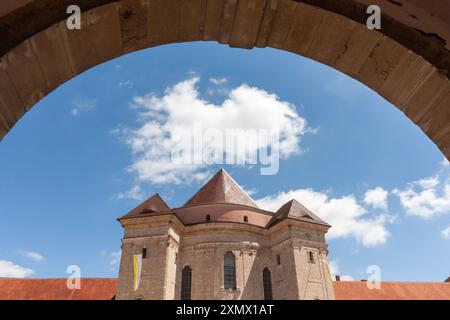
x,y
171,246
293,249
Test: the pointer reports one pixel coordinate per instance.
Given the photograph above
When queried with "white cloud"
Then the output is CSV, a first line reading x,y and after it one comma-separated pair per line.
x,y
36,256
376,198
218,91
165,120
445,162
115,258
446,233
10,270
428,183
428,197
346,216
251,191
135,193
334,266
218,81
80,106
126,83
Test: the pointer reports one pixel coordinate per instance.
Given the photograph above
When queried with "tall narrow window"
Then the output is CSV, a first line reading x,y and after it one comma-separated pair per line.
x,y
245,219
229,271
311,256
267,284
144,253
208,218
186,283
278,259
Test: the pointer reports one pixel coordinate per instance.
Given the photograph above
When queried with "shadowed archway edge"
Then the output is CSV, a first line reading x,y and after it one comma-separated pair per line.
x,y
38,15
336,35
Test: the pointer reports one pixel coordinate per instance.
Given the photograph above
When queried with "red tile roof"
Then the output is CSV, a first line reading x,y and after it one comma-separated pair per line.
x,y
294,209
56,289
218,199
105,289
153,204
358,290
221,188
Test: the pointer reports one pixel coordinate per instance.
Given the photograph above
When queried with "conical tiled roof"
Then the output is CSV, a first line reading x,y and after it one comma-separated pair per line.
x,y
294,209
221,188
153,204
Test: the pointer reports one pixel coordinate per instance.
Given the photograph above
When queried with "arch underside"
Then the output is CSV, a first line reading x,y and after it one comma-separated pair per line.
x,y
408,67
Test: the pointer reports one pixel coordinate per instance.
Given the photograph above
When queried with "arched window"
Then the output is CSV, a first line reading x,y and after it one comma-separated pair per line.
x,y
267,284
229,271
186,283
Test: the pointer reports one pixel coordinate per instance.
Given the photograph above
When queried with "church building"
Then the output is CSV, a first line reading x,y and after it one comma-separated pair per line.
x,y
221,245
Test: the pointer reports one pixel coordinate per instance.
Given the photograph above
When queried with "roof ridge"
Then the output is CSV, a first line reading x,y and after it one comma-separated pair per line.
x,y
201,188
149,205
161,198
295,210
221,188
239,186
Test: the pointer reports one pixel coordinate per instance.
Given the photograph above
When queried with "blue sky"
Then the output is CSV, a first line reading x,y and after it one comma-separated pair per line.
x,y
69,168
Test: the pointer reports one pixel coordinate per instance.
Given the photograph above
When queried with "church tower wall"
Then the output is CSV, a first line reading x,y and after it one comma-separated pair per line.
x,y
158,271
221,245
283,249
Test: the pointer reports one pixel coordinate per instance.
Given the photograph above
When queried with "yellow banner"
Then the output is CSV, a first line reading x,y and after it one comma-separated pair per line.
x,y
137,265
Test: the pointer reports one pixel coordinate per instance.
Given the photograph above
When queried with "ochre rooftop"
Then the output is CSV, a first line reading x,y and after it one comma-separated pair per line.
x,y
105,289
56,289
358,290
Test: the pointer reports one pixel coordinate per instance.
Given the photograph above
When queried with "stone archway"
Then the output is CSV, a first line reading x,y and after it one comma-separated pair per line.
x,y
407,61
